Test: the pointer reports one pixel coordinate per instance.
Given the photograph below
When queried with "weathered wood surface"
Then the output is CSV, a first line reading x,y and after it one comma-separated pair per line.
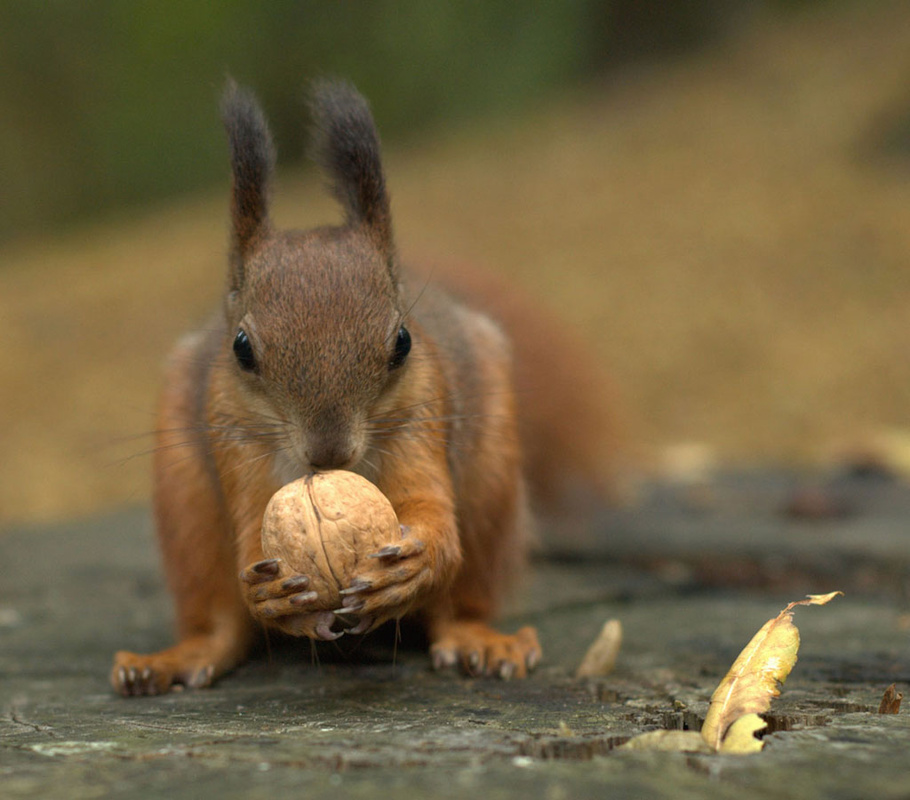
x,y
691,576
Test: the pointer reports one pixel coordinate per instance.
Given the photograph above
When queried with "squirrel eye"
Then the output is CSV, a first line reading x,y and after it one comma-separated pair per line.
x,y
243,350
402,348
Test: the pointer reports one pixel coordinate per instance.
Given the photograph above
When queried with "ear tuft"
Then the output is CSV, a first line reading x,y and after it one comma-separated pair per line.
x,y
346,144
252,164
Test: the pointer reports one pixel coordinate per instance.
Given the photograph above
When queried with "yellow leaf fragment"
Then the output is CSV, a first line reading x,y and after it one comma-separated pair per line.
x,y
756,675
740,736
601,656
891,701
754,678
673,741
816,599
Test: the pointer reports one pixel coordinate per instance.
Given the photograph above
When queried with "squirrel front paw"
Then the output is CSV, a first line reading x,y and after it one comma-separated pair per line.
x,y
282,599
397,579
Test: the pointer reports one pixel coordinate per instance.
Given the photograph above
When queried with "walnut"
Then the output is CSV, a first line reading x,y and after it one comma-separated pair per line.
x,y
325,526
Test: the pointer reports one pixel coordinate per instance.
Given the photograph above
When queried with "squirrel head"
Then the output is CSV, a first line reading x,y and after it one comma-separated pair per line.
x,y
316,328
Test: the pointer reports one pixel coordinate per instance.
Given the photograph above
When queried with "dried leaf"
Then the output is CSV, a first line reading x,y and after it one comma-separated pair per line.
x,y
756,675
740,736
891,701
675,741
601,655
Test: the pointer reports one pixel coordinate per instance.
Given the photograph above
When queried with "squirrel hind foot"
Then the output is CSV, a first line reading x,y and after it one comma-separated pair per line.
x,y
479,650
194,663
135,675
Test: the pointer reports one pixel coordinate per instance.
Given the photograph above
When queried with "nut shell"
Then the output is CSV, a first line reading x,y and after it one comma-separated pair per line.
x,y
325,526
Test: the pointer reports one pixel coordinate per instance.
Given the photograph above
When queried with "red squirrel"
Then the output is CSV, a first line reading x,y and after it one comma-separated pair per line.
x,y
329,354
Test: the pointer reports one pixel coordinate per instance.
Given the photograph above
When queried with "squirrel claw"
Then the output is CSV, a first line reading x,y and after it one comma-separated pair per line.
x,y
506,670
443,659
202,677
324,628
358,585
349,609
389,551
261,571
303,598
363,626
296,583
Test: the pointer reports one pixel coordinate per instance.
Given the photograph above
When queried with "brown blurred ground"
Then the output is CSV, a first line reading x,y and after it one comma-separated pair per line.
x,y
727,232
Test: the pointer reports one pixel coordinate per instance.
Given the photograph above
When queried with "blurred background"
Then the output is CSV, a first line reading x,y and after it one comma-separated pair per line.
x,y
715,194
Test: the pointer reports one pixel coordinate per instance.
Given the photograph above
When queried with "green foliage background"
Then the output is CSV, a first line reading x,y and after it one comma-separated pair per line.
x,y
108,103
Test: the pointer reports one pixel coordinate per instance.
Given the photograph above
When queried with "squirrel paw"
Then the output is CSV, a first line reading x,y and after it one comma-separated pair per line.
x,y
479,650
135,675
281,599
396,580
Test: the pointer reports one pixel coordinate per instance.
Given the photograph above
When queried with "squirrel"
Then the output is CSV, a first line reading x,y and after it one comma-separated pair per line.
x,y
329,354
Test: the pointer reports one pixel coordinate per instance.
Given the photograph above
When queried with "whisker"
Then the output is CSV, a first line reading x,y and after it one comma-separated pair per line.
x,y
369,464
393,423
246,463
443,399
396,641
416,300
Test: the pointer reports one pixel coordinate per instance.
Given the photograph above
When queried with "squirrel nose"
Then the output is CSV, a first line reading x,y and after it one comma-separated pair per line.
x,y
327,454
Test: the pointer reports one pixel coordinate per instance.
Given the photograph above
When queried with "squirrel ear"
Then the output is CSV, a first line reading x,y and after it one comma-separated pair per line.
x,y
252,163
346,144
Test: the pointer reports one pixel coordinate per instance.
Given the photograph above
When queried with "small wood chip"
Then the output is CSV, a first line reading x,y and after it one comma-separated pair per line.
x,y
891,701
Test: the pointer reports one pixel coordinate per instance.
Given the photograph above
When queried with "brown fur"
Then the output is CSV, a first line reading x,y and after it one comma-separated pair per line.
x,y
575,452
319,383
